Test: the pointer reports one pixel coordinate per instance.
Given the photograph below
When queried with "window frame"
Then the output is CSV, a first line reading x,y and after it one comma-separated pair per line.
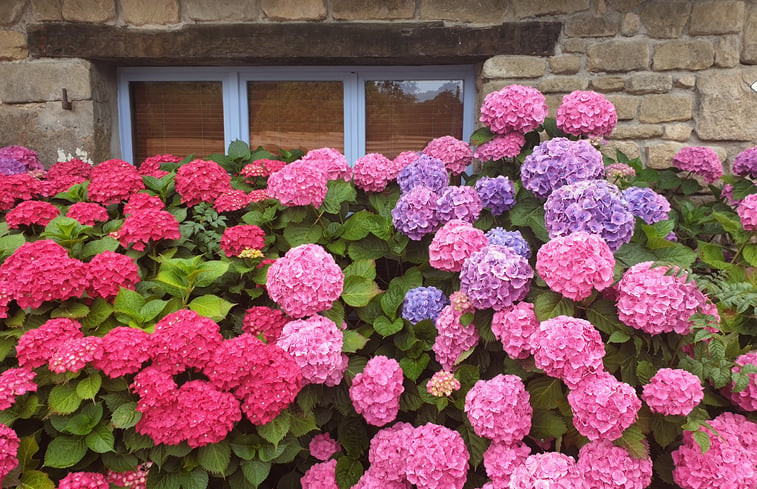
x,y
235,103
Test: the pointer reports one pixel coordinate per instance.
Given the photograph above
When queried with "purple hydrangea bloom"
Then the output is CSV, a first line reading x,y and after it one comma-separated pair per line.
x,y
594,206
458,203
9,166
415,214
496,277
558,162
647,204
25,156
423,303
497,194
745,164
427,171
513,239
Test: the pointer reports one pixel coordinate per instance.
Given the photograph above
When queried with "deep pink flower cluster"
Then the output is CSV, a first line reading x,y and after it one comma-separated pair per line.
x,y
455,154
673,392
700,161
402,160
141,227
496,277
654,302
236,239
83,480
453,338
266,321
500,460
375,392
442,384
31,212
458,203
36,346
108,272
113,181
437,458
515,327
299,183
389,453
74,354
320,476
603,407
151,166
576,264
453,244
9,444
606,466
231,200
415,214
261,168
586,113
143,202
322,446
514,108
746,399
501,146
124,350
201,181
568,348
88,213
547,470
21,186
15,382
316,345
133,479
330,161
499,409
747,211
182,340
50,188
306,280
73,167
372,172
745,163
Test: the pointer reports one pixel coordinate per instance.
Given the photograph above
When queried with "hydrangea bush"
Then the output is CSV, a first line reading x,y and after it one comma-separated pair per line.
x,y
558,319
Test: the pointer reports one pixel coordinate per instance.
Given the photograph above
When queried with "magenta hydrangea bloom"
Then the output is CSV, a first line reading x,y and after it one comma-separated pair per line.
x,y
208,413
182,340
594,206
550,470
87,213
201,181
747,211
603,407
496,194
606,466
455,154
512,239
499,409
453,244
232,200
746,399
372,172
298,183
496,277
415,214
673,392
453,338
647,204
131,479
143,227
442,384
9,443
500,460
15,382
514,108
320,476
73,355
458,203
125,349
375,392
515,328
31,212
425,170
237,239
501,146
143,202
330,161
617,172
568,348
83,480
576,264
745,163
423,303
322,446
113,181
699,161
36,346
586,113
315,344
437,458
559,162
108,272
306,280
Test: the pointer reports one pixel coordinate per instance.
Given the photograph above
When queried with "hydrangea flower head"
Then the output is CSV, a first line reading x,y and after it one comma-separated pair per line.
x,y
499,409
132,479
603,407
460,302
745,163
515,327
496,193
151,165
298,183
606,466
261,168
559,162
513,239
747,211
568,348
453,338
726,193
236,239
320,476
74,354
142,227
618,172
9,166
647,204
22,186
375,392
437,458
124,350
550,470
586,113
31,212
182,340
322,446
496,277
673,392
455,154
9,443
315,344
423,303
201,181
209,414
72,167
500,460
88,213
231,200
402,160
389,453
747,398
372,172
426,171
36,346
108,272
331,162
514,108
699,161
460,202
15,382
501,146
113,181
415,214
83,480
266,321
442,384
24,155
143,202
453,244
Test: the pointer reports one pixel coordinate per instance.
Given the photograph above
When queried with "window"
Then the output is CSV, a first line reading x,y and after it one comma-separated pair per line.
x,y
357,110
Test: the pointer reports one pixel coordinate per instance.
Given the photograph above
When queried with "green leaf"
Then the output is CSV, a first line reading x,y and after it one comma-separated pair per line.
x,y
71,310
163,480
302,424
361,268
530,213
100,440
413,368
210,271
34,479
338,191
677,254
358,291
197,479
664,432
618,337
211,306
129,302
215,457
481,136
703,440
348,472
634,441
239,150
353,436
547,424
99,311
63,399
126,415
88,387
64,452
98,246
548,305
151,309
604,316
255,471
297,234
546,392
353,341
356,227
385,328
476,445
10,243
750,254
27,448
85,421
369,248
275,430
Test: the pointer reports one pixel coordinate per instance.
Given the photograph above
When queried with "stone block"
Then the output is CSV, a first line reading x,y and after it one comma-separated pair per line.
x,y
685,81
630,24
608,84
727,51
371,10
562,84
150,12
12,45
575,45
660,156
628,148
716,17
624,5
665,108
749,41
565,64
694,54
637,131
89,10
215,10
677,132
10,11
47,9
621,55
641,83
553,102
535,8
480,11
665,18
514,67
42,81
625,105
294,9
726,105
591,26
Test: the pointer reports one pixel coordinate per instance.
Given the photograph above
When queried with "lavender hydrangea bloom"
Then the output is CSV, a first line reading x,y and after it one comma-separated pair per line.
x,y
427,171
496,277
745,164
9,166
647,204
415,214
25,156
594,206
423,303
513,239
558,162
459,203
497,194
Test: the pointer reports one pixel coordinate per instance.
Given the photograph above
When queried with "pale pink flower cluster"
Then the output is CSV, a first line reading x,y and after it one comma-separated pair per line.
x,y
182,340
568,348
87,213
330,161
83,480
618,172
673,392
453,338
515,328
746,399
460,302
603,407
442,384
125,349
549,470
316,345
455,154
133,479
586,113
73,355
699,161
298,183
322,446
372,172
201,181
501,459
401,161
320,476
502,146
499,409
376,391
606,466
15,382
514,108
576,264
9,444
747,211
453,244
306,280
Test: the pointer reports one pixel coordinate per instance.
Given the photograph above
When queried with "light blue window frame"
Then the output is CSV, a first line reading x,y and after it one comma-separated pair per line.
x,y
235,104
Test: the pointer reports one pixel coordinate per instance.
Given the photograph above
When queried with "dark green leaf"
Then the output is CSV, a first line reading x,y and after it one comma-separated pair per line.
x,y
276,430
129,302
98,246
214,457
618,337
664,431
302,424
126,416
356,227
348,472
634,441
547,424
63,399
239,150
100,440
385,328
481,136
549,305
71,310
546,392
413,368
338,191
197,479
255,471
353,436
64,452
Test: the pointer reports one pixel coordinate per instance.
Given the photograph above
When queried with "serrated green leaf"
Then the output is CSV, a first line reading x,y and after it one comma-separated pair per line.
x,y
71,310
34,479
481,135
545,392
547,424
664,432
297,234
302,424
88,387
215,457
530,213
353,341
98,246
64,452
163,480
358,291
348,472
476,445
361,268
750,254
645,371
275,430
703,440
63,399
413,367
368,248
634,441
126,415
255,471
548,305
211,306
338,191
129,302
353,436
618,337
209,272
99,311
196,479
604,316
100,440
10,243
239,150
83,422
356,227
385,328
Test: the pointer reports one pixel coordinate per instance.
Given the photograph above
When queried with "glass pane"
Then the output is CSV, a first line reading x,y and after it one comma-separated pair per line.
x,y
180,118
404,115
296,115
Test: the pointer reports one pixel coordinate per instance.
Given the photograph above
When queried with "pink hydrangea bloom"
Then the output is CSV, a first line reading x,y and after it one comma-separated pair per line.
x,y
606,466
36,346
143,202
31,212
153,387
83,480
133,479
88,213
673,392
320,476
576,264
108,272
568,348
389,453
455,154
437,458
50,188
369,481
316,345
453,244
330,161
261,168
209,414
586,113
372,172
231,200
453,338
515,328
700,161
151,166
460,302
201,181
125,349
236,239
603,407
113,181
322,446
73,167
499,409
306,280
141,227
618,172
496,277
442,384
746,399
266,321
15,382
74,354
21,186
9,444
502,146
500,460
747,211
182,340
298,183
375,392
726,193
547,470
402,160
514,108
745,163
157,393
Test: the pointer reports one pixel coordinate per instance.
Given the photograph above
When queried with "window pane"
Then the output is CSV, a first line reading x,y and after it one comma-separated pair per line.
x,y
404,115
181,118
296,115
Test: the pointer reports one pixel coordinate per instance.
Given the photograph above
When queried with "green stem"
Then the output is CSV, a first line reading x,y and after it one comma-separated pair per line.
x,y
738,252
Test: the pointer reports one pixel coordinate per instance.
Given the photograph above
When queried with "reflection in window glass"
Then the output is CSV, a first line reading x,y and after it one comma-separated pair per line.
x,y
181,118
296,115
404,115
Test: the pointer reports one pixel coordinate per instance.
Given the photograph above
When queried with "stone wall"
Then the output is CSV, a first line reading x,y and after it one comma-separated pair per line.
x,y
678,71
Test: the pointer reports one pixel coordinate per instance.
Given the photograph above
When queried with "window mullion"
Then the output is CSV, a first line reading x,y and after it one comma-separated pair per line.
x,y
232,113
